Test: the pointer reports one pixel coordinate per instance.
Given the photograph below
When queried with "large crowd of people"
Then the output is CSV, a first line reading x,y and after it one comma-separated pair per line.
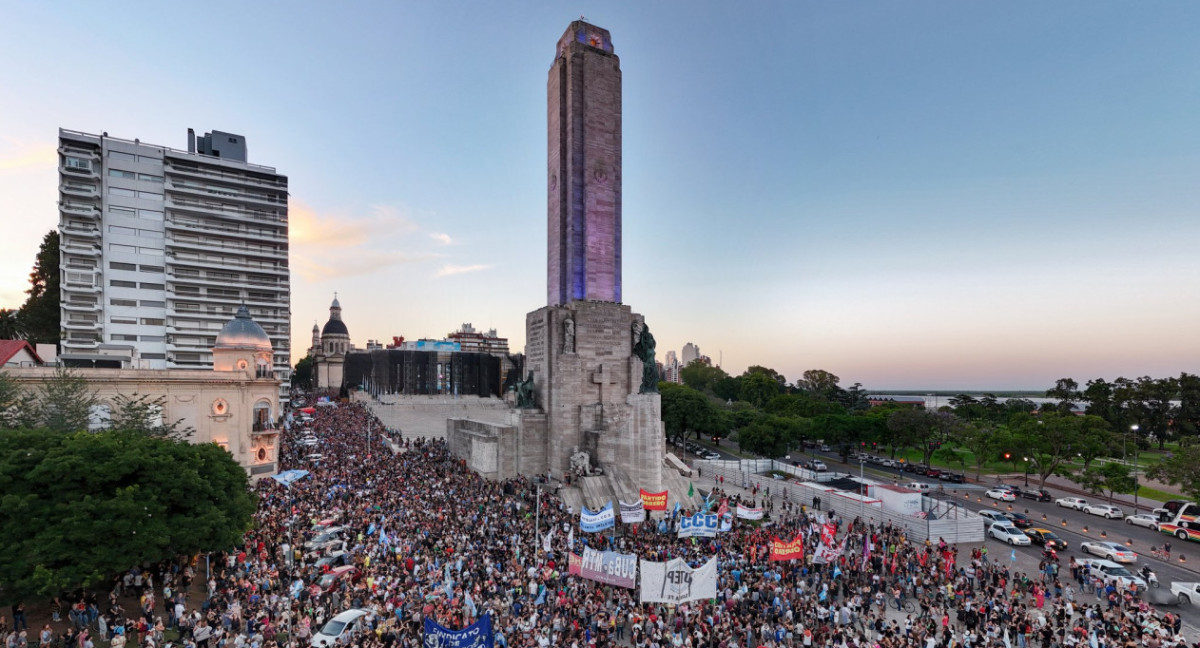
x,y
429,539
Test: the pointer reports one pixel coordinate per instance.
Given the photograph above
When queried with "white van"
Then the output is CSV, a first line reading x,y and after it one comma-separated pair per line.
x,y
920,487
341,629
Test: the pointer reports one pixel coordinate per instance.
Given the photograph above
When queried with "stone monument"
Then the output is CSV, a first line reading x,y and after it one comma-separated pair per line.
x,y
595,410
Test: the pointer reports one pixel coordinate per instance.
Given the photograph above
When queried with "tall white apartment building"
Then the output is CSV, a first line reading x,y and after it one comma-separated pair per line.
x,y
160,246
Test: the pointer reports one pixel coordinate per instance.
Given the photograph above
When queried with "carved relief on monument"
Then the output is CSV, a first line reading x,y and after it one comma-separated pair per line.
x,y
568,344
535,344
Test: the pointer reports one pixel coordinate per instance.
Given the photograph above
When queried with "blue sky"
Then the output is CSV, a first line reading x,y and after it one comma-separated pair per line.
x,y
909,195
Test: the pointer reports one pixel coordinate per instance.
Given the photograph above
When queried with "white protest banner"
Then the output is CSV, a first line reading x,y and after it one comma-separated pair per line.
x,y
632,513
675,582
747,513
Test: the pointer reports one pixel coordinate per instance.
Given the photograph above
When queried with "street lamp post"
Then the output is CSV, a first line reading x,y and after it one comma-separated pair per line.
x,y
1134,428
1026,471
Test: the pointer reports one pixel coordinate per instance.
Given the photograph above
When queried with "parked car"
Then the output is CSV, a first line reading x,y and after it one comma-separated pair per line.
x,y
933,472
1008,533
341,629
1001,494
1019,519
1105,511
1113,551
1147,520
909,467
711,455
823,448
1076,503
1046,538
1111,572
953,478
993,516
1037,495
335,576
324,539
333,559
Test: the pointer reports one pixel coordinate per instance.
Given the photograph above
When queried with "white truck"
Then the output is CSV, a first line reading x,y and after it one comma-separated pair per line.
x,y
1187,593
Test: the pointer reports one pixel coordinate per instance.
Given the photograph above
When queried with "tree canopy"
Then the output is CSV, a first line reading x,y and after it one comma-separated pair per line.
x,y
39,315
78,508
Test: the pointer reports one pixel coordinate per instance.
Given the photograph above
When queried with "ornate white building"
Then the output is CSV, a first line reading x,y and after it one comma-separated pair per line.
x,y
329,349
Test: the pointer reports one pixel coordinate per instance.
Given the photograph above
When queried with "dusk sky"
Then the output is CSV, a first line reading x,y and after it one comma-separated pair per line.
x,y
916,195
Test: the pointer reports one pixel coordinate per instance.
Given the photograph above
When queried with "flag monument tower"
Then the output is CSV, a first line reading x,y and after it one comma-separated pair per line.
x,y
589,404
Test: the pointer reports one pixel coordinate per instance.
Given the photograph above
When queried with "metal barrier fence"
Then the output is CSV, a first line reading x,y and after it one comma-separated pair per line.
x,y
943,518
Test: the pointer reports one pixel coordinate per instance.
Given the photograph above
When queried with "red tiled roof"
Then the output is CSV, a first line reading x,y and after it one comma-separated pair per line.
x,y
10,348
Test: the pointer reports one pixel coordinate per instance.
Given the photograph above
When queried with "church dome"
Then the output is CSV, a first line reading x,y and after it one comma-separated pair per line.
x,y
335,327
243,332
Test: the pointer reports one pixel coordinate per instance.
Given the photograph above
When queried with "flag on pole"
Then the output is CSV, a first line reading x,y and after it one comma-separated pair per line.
x,y
548,539
691,489
571,539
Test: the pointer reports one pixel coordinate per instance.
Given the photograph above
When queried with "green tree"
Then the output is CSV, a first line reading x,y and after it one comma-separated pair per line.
x,y
819,383
985,441
1053,438
687,410
758,389
302,376
1066,391
16,404
700,376
143,415
78,508
11,327
1111,477
1187,416
40,313
64,402
1181,469
727,388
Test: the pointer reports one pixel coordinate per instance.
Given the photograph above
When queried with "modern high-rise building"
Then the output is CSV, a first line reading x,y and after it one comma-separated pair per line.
x,y
159,247
691,353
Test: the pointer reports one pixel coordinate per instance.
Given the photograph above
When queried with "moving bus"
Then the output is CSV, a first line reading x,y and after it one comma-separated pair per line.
x,y
1185,525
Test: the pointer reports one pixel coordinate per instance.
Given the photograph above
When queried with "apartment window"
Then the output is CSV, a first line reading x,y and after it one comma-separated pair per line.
x,y
154,234
116,229
78,163
150,214
123,302
121,337
81,299
184,306
151,303
117,283
122,211
124,193
152,286
116,265
152,268
118,173
153,338
151,251
149,178
152,321
127,249
119,155
221,292
217,274
154,356
186,272
149,195
187,290
122,320
186,357
154,160
81,278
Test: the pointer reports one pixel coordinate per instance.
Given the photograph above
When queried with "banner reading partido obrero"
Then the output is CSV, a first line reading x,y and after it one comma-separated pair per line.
x,y
781,550
654,501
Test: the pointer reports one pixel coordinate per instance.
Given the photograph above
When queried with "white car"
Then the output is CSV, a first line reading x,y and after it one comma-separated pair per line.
x,y
1111,572
1008,533
994,516
1143,520
1113,551
341,629
1001,494
1076,503
1104,510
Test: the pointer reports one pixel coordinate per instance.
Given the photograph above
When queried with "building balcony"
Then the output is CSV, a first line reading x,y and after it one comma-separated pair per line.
x,y
76,307
192,259
219,210
80,345
83,251
186,188
237,232
79,151
79,190
81,326
83,232
214,173
212,245
78,209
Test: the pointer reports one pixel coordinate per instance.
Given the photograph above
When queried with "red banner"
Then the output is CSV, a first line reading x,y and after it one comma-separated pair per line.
x,y
575,565
654,501
781,550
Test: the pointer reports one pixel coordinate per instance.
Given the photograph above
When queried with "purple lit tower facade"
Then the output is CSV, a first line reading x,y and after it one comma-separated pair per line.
x,y
584,159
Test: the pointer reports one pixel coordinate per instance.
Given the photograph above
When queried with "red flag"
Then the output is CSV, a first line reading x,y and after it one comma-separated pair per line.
x,y
781,550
